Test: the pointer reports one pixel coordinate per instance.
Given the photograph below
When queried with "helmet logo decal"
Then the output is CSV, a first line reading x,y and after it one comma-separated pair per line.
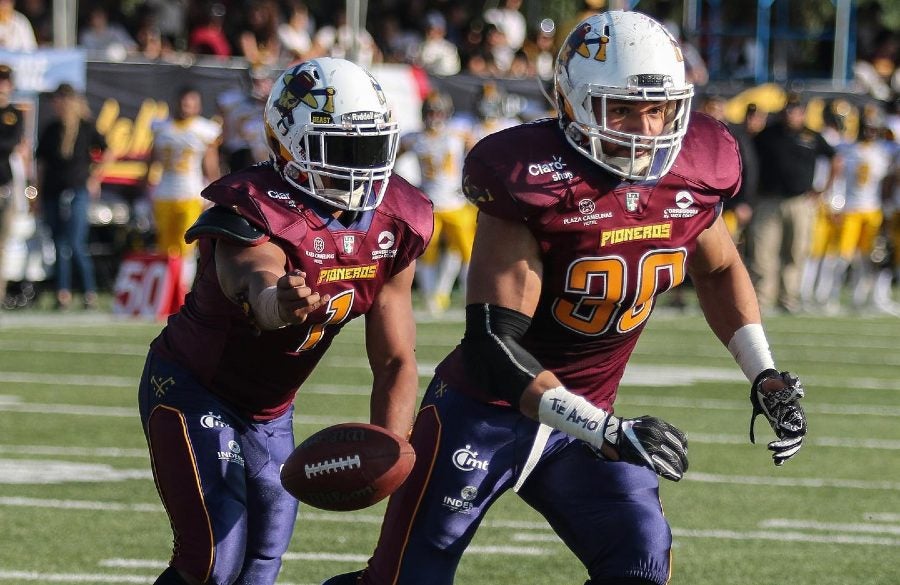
x,y
578,42
378,90
301,88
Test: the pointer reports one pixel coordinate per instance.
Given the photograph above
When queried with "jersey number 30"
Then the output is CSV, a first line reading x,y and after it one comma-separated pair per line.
x,y
601,286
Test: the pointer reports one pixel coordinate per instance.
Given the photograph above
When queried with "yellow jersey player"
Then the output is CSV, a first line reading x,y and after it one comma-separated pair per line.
x,y
440,152
866,164
186,148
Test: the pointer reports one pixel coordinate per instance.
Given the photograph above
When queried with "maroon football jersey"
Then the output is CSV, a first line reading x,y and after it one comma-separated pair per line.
x,y
608,247
259,372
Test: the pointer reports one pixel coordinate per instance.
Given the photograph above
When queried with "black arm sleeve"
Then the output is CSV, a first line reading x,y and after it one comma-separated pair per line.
x,y
493,353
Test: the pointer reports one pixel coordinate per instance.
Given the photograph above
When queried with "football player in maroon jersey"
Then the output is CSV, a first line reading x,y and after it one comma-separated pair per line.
x,y
291,251
583,221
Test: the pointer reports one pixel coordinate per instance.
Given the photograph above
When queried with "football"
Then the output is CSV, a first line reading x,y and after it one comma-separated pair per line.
x,y
348,466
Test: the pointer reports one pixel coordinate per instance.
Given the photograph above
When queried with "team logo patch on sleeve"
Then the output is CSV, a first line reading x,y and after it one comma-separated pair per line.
x,y
476,193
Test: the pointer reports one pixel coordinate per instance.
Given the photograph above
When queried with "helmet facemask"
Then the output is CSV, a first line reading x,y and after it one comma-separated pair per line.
x,y
346,169
648,157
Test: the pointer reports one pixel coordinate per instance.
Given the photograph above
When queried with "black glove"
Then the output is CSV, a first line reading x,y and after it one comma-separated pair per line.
x,y
649,441
781,406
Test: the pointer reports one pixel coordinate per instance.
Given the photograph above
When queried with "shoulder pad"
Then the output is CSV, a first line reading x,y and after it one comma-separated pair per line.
x,y
222,222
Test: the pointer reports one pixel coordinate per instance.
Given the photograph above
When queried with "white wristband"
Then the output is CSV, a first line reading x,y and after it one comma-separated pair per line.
x,y
265,310
574,415
750,349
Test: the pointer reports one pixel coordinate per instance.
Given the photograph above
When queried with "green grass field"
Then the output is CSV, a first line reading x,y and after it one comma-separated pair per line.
x,y
77,504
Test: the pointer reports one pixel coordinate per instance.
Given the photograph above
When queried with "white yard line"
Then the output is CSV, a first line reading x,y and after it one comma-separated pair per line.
x,y
20,576
882,517
831,526
76,347
786,536
746,535
64,380
811,482
55,451
22,502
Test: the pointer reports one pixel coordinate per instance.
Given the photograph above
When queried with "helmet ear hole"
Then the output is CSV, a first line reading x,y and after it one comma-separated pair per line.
x,y
328,123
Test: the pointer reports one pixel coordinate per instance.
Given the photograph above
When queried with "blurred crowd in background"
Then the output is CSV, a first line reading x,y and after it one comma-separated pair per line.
x,y
480,37
819,235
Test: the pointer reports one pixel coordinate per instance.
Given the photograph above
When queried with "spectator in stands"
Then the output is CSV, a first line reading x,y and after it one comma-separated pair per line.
x,y
336,40
437,55
208,36
40,16
16,33
458,18
539,48
480,63
152,45
397,45
103,36
68,179
496,45
12,134
259,41
521,67
170,16
510,21
295,33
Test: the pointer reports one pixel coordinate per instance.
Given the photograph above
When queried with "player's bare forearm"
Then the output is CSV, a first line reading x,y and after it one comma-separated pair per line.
x,y
390,345
246,270
722,283
257,273
394,396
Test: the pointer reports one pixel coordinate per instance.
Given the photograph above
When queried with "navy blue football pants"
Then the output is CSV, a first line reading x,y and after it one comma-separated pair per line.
x,y
468,453
217,475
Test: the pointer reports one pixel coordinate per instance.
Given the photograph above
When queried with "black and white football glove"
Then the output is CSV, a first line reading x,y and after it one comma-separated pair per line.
x,y
649,441
780,404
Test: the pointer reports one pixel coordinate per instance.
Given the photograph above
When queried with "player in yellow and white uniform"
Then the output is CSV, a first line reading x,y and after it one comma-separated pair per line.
x,y
186,149
440,151
866,164
818,268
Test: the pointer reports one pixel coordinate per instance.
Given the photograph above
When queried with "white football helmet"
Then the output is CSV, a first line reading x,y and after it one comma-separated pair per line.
x,y
622,56
330,133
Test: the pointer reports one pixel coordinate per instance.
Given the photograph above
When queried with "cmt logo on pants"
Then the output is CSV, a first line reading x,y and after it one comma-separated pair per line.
x,y
467,460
